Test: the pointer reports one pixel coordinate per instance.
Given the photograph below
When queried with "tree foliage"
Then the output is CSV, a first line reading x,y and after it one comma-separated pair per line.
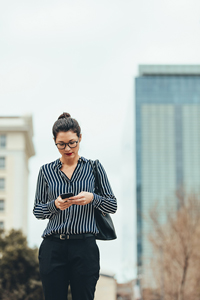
x,y
19,268
176,247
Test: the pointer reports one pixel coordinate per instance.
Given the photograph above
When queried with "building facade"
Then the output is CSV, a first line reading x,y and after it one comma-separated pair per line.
x,y
16,147
106,288
167,142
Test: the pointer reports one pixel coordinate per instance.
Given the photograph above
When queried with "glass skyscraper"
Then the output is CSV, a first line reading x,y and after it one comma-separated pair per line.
x,y
167,142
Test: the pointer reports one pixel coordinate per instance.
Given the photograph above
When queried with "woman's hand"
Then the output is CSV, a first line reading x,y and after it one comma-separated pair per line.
x,y
62,204
82,198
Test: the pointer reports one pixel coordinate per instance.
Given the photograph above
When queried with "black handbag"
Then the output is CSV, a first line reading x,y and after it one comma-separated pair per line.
x,y
103,220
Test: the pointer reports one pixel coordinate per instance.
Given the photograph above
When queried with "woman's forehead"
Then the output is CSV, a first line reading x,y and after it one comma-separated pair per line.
x,y
66,135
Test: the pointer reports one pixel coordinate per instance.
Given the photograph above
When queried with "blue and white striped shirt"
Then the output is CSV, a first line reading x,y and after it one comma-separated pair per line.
x,y
76,219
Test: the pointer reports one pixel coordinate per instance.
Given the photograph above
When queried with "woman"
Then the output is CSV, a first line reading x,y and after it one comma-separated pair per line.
x,y
68,252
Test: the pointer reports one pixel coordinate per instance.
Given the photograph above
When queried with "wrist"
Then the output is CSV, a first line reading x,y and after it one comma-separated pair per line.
x,y
56,203
92,195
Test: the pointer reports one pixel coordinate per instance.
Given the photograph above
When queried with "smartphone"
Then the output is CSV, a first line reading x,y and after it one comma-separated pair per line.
x,y
67,195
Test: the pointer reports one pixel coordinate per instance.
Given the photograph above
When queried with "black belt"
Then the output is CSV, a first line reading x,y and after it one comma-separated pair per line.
x,y
72,236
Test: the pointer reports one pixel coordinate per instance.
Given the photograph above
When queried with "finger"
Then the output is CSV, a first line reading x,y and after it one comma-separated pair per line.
x,y
66,200
63,203
74,197
78,198
79,202
63,207
60,200
80,195
66,203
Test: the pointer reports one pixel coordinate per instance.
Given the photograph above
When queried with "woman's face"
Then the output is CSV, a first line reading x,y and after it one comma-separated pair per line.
x,y
68,151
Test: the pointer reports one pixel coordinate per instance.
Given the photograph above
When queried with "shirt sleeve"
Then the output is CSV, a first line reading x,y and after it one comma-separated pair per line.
x,y
106,202
43,209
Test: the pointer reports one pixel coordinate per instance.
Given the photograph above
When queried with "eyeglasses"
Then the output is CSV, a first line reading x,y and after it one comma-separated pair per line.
x,y
62,146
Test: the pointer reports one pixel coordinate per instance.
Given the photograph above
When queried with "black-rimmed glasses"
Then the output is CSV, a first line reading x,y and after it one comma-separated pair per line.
x,y
62,146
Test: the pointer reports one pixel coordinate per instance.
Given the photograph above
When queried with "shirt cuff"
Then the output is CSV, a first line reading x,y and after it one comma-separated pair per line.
x,y
97,200
51,207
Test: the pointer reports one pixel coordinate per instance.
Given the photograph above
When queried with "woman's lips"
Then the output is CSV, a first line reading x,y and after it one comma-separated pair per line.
x,y
68,154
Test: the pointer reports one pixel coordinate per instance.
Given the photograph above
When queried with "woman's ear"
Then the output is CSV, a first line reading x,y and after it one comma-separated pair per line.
x,y
80,137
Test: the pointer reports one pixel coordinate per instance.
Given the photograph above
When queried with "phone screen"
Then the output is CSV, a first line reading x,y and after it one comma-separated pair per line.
x,y
66,195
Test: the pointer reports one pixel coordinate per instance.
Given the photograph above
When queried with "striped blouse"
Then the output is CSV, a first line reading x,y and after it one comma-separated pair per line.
x,y
76,219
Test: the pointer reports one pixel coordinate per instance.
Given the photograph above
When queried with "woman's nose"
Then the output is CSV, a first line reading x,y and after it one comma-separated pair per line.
x,y
67,146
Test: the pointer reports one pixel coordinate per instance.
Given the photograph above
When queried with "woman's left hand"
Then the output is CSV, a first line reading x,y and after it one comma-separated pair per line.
x,y
82,198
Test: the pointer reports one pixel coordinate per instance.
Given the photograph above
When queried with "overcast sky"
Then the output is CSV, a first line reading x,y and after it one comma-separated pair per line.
x,y
81,57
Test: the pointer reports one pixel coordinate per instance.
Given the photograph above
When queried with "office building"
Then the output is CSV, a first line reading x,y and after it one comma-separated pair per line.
x,y
16,147
167,143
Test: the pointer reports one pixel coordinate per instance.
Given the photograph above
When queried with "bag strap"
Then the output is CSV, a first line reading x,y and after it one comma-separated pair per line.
x,y
94,165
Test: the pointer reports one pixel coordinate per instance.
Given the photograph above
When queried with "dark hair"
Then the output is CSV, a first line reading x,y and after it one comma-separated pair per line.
x,y
66,123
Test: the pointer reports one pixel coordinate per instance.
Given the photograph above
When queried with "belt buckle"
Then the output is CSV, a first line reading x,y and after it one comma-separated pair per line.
x,y
62,236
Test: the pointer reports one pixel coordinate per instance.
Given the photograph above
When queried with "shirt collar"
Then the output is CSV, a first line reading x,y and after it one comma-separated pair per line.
x,y
83,159
58,163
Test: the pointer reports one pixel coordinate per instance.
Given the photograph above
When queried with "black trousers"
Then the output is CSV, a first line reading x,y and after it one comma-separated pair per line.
x,y
64,262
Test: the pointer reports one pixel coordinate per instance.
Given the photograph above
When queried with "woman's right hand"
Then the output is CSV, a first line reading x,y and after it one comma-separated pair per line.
x,y
62,204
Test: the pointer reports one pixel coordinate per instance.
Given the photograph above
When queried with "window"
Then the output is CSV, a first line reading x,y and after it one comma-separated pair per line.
x,y
2,183
2,141
2,162
1,225
2,205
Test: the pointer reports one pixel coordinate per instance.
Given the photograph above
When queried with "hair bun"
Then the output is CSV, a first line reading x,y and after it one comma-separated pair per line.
x,y
64,116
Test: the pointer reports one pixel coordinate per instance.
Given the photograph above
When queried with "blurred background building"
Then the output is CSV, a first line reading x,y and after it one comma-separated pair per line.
x,y
106,287
167,143
16,147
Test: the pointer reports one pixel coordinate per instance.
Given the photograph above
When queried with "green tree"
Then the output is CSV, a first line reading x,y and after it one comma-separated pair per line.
x,y
19,268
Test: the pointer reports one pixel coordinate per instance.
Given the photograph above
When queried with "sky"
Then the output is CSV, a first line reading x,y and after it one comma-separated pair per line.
x,y
81,57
